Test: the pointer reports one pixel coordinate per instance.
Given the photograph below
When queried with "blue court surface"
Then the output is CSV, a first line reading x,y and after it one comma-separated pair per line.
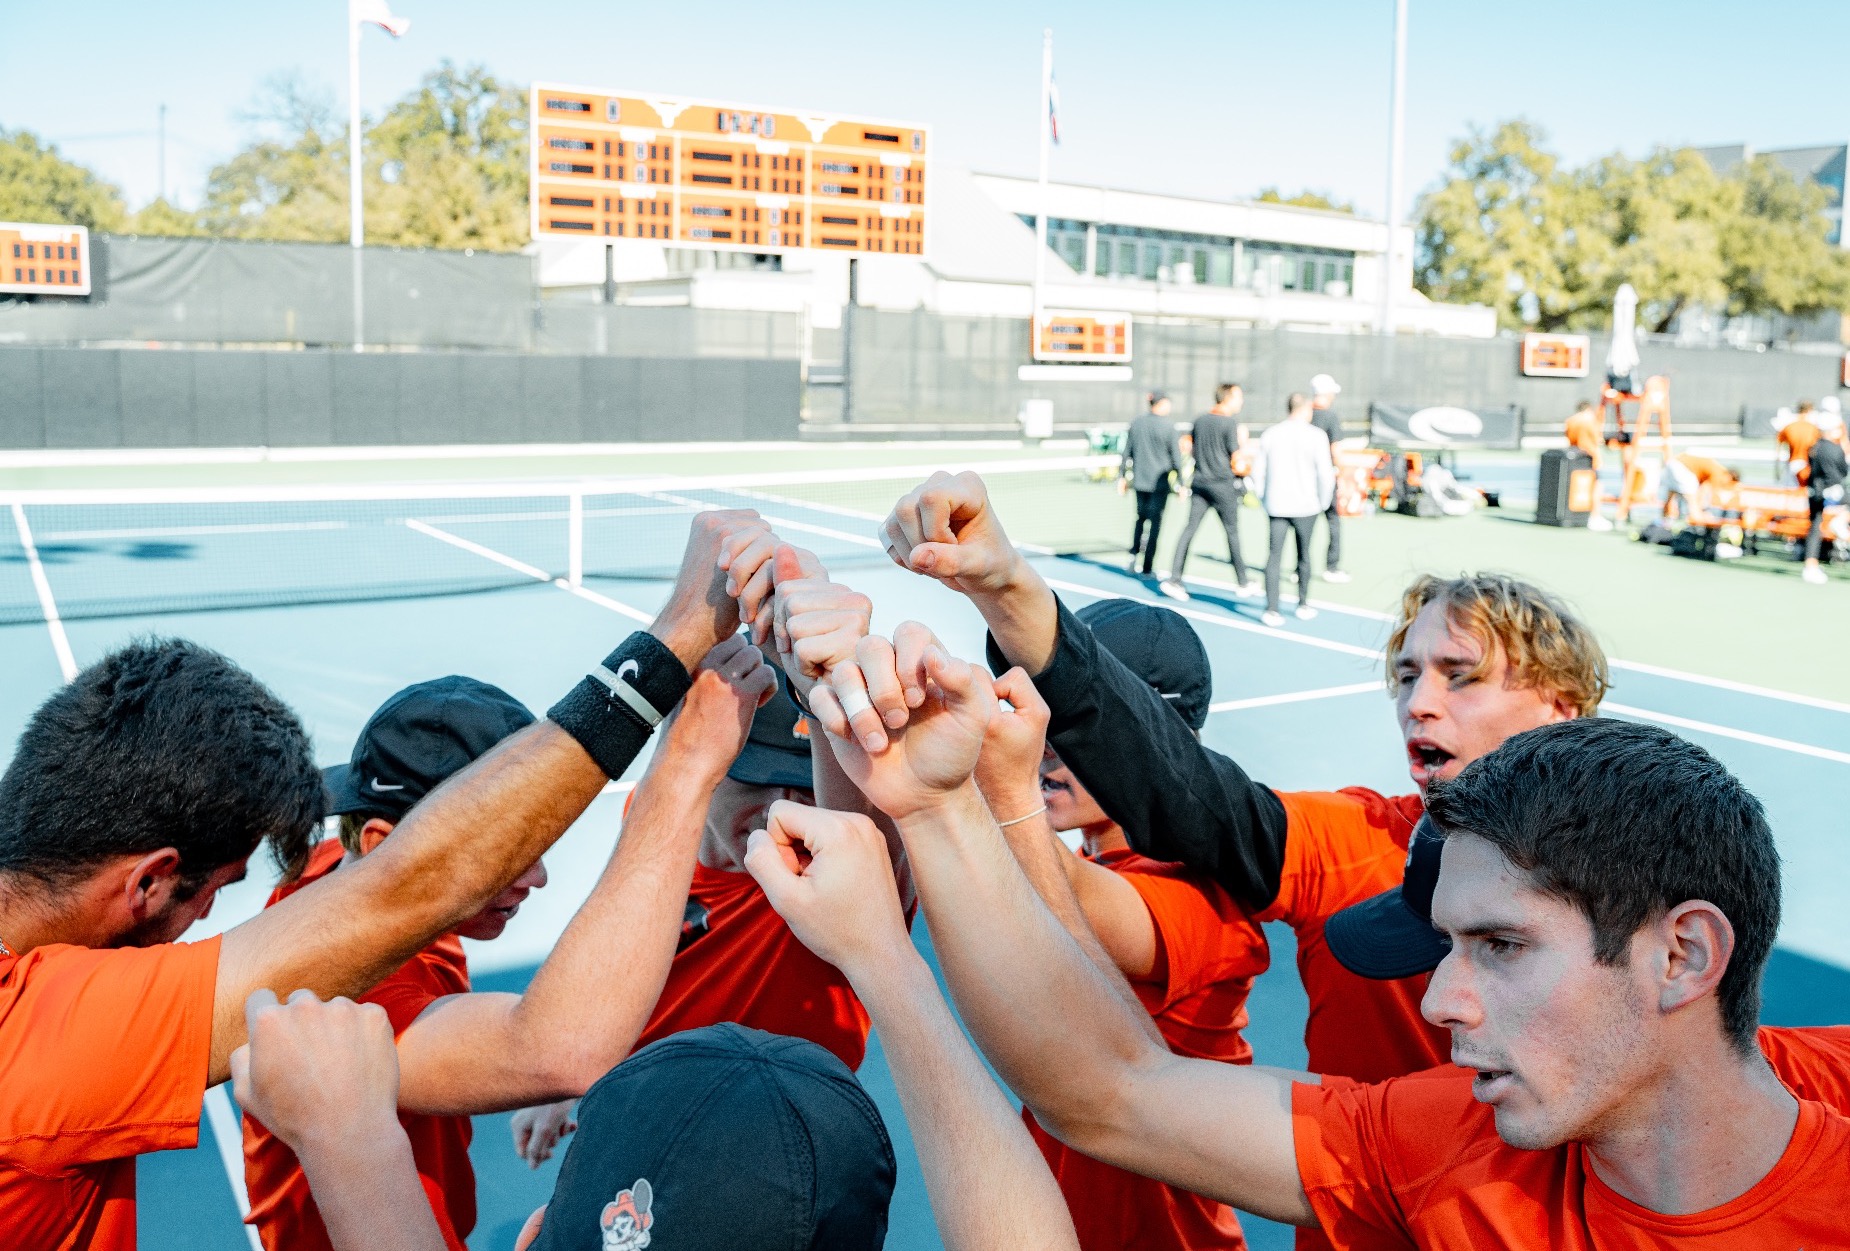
x,y
1301,707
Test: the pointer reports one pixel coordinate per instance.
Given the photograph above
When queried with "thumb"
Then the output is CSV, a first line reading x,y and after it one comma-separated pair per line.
x,y
767,864
943,560
965,686
1014,686
241,1075
791,564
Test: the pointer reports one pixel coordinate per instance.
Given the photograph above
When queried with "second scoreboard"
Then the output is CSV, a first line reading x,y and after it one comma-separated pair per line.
x,y
706,174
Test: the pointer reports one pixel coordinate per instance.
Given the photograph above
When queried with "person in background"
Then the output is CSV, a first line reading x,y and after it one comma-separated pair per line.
x,y
1795,439
1295,479
1323,393
1586,435
1152,464
1686,476
1824,486
1218,483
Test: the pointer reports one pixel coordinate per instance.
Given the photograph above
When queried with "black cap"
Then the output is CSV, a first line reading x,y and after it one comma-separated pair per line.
x,y
724,1137
776,751
1158,396
1392,934
1159,646
416,740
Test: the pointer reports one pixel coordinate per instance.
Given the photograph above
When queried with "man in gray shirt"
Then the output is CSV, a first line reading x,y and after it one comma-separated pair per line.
x,y
1218,437
1323,390
1294,478
1151,462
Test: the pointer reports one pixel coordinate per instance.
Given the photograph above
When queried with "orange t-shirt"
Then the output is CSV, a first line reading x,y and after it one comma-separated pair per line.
x,y
104,1055
1583,432
1416,1162
1209,950
1798,438
749,968
1707,470
282,1208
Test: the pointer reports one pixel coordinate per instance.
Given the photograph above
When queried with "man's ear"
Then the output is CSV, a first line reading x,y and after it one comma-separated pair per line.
x,y
148,883
373,833
1698,945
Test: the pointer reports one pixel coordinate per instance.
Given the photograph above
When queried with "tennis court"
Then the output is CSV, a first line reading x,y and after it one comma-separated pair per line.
x,y
336,598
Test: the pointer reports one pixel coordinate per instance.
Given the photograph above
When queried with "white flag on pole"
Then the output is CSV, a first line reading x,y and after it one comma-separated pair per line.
x,y
379,13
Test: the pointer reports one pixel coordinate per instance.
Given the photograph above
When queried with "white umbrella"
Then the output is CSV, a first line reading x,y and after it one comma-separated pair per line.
x,y
1622,356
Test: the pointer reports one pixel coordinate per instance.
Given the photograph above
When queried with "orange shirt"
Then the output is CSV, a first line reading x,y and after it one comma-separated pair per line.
x,y
1707,470
1583,432
104,1055
749,968
1798,438
282,1208
1209,950
1416,1162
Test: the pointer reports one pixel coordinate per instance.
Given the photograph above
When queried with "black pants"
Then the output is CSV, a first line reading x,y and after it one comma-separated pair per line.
x,y
1333,561
1814,537
1150,511
1223,496
1300,529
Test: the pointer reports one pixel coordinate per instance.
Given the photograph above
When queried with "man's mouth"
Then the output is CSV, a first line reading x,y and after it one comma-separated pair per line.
x,y
1426,758
1490,1085
1051,786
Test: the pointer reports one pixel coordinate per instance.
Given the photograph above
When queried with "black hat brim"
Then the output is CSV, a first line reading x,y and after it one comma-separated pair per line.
x,y
1383,939
341,783
763,765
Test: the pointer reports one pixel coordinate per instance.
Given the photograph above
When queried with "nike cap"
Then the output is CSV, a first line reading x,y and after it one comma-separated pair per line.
x,y
1392,935
417,739
724,1137
1159,646
776,751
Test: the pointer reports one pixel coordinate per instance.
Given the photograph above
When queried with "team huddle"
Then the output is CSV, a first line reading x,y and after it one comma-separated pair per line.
x,y
1533,979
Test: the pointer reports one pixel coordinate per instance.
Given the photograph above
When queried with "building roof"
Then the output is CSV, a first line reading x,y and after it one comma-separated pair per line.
x,y
975,239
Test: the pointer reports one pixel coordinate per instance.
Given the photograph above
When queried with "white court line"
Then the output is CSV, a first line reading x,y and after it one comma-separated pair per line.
x,y
487,553
165,532
1746,736
1297,697
602,601
229,1139
1231,623
48,607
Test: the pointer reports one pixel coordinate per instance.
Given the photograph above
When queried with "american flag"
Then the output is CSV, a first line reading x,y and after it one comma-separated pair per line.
x,y
1053,109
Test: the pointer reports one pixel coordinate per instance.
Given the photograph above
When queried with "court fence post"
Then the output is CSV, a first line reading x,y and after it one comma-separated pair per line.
x,y
575,539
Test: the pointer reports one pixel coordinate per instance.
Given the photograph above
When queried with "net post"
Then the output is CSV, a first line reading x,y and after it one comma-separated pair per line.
x,y
575,539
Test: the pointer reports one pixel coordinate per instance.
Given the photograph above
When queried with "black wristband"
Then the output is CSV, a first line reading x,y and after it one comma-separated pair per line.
x,y
615,709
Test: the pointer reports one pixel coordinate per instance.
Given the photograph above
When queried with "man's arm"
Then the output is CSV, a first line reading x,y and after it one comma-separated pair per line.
x,y
989,1186
1045,1015
324,1078
475,1053
481,829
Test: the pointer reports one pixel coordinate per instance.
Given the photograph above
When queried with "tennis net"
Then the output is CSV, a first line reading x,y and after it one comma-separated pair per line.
x,y
115,553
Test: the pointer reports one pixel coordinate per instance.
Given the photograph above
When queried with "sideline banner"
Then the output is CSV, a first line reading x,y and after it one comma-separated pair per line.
x,y
1444,426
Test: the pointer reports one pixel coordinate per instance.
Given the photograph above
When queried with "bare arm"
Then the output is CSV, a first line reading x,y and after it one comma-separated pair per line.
x,y
475,1053
988,1184
468,839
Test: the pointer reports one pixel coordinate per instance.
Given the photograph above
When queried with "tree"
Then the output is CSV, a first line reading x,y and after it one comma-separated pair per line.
x,y
291,185
38,185
1305,199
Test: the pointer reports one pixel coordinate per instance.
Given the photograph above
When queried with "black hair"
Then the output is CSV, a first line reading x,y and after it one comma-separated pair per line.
x,y
162,743
1224,390
1626,821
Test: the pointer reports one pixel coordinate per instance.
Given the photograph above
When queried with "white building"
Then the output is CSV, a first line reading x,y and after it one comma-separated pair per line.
x,y
1118,251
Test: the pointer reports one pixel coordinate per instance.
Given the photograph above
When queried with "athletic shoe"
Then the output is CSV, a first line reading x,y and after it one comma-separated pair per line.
x,y
1273,619
1814,575
1130,563
1173,588
1248,589
1597,522
1304,612
1335,575
1728,551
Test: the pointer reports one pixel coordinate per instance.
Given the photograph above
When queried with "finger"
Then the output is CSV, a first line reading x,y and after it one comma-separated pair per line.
x,y
304,995
773,865
241,1074
1018,688
963,683
874,655
828,710
743,574
795,564
938,560
741,658
758,684
261,1000
850,687
743,533
935,517
893,537
906,513
722,652
756,592
909,643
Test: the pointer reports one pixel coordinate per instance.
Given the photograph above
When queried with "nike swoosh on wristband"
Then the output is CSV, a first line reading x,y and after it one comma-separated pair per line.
x,y
626,668
381,786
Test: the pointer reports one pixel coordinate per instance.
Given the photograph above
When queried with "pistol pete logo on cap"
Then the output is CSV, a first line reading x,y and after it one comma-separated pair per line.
x,y
800,729
626,1220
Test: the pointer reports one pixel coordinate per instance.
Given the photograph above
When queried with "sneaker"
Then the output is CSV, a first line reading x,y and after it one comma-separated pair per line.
x,y
1728,551
1597,522
1173,588
1304,612
1335,575
1814,575
1248,589
1273,619
1130,562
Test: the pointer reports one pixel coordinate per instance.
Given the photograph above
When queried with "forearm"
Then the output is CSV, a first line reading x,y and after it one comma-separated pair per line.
x,y
367,1188
837,792
1023,617
988,1183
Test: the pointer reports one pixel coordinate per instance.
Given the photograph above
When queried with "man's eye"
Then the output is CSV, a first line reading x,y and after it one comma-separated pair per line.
x,y
1502,946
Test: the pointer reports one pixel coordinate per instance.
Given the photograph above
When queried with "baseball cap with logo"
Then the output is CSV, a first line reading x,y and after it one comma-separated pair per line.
x,y
416,740
1160,647
776,751
724,1137
1392,935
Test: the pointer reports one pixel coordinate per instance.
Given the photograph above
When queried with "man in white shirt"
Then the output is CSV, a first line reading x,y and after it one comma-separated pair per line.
x,y
1295,479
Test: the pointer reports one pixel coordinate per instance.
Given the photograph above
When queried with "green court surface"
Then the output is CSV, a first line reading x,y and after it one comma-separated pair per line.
x,y
1738,659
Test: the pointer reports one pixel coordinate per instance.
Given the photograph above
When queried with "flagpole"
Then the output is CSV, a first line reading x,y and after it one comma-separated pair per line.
x,y
1397,146
356,229
1040,213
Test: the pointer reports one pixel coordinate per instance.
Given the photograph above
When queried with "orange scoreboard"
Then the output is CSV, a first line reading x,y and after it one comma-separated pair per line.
x,y
705,174
1063,335
1555,355
44,260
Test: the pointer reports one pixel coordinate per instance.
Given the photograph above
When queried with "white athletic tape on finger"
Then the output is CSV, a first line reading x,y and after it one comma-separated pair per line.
x,y
853,701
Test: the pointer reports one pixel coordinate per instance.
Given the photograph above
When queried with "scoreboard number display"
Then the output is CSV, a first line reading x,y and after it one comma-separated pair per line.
x,y
38,259
1088,338
708,174
1555,355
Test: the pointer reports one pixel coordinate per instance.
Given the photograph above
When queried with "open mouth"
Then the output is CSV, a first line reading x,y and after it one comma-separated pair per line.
x,y
1488,1085
1427,758
1051,787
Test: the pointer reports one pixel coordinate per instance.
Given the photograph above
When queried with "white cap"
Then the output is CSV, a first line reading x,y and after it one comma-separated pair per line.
x,y
1782,418
1323,384
1829,420
1830,404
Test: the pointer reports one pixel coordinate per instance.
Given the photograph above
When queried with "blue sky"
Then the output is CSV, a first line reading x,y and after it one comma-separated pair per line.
x,y
1208,99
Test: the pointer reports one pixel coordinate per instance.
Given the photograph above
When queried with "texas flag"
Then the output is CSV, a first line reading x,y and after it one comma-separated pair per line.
x,y
1053,108
379,13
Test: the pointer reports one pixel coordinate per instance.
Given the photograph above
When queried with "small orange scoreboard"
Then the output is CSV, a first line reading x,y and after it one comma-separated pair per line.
x,y
1555,355
1089,338
706,174
44,260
